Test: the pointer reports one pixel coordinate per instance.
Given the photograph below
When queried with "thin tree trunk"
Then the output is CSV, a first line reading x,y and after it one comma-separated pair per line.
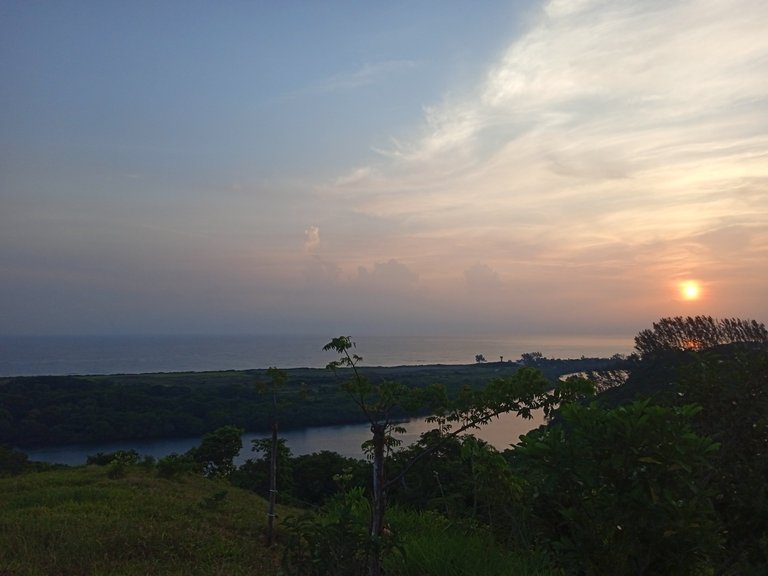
x,y
379,504
272,487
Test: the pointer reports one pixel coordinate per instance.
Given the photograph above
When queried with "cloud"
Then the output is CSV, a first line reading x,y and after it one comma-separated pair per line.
x,y
607,122
311,239
366,75
321,272
611,150
388,275
481,279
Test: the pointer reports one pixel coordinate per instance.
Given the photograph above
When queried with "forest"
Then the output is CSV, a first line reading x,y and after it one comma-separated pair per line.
x,y
55,410
664,473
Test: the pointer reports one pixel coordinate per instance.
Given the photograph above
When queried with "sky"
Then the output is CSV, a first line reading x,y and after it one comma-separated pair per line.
x,y
404,167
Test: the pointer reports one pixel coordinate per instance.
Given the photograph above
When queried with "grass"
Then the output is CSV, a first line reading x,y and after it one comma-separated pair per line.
x,y
81,521
435,546
91,521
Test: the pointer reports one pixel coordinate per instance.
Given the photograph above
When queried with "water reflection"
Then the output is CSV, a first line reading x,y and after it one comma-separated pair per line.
x,y
346,440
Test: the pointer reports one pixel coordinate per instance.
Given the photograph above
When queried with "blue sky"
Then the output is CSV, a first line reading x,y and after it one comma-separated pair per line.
x,y
401,167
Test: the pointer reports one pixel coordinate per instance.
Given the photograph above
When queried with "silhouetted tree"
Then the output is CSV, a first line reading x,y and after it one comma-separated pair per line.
x,y
698,333
531,358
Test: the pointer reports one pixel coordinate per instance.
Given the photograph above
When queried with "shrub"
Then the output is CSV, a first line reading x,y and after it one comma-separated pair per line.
x,y
333,541
621,491
175,465
127,457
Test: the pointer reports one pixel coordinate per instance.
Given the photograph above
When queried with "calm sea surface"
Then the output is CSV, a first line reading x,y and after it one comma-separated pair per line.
x,y
60,355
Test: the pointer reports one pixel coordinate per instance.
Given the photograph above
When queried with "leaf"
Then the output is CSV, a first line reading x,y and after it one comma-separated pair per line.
x,y
648,460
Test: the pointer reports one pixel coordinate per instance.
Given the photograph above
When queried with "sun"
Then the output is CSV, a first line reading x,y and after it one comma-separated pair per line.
x,y
690,290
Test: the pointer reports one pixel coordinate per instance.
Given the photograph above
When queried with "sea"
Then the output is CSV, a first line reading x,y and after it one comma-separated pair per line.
x,y
90,355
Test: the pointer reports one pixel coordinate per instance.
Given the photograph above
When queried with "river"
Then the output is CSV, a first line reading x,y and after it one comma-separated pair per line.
x,y
345,439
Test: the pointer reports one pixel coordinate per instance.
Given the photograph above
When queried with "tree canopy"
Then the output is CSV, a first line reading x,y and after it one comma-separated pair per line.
x,y
698,333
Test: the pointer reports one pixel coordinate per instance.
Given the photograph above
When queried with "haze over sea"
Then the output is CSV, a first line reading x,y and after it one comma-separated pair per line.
x,y
60,355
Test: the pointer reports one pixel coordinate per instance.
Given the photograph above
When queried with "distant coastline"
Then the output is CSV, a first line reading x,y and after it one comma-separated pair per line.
x,y
78,355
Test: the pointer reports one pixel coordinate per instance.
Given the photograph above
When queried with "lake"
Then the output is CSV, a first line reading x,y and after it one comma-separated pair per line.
x,y
346,440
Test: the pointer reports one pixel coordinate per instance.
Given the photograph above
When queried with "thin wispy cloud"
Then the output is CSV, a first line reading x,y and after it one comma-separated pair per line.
x,y
366,75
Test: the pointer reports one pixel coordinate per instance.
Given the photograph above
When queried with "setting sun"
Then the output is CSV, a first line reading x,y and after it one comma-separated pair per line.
x,y
690,290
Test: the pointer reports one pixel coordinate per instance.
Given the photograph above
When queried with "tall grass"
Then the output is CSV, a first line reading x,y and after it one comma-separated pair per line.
x,y
435,546
81,521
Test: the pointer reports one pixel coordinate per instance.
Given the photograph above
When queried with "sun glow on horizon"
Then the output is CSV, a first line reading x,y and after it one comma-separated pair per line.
x,y
690,290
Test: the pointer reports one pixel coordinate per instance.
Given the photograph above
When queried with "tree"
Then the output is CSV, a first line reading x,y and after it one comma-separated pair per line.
x,y
217,451
531,358
464,477
316,476
278,379
522,393
731,386
12,462
254,473
698,333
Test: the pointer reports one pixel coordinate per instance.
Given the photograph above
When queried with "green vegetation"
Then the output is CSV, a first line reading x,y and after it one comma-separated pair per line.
x,y
521,393
435,545
82,521
54,410
620,491
662,474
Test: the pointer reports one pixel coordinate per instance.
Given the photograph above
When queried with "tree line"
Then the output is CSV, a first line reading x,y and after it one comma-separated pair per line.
x,y
55,410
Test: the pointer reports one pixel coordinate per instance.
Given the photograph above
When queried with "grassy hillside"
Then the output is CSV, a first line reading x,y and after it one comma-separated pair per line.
x,y
81,521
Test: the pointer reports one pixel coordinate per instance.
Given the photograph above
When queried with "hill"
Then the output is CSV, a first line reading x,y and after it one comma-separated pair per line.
x,y
82,521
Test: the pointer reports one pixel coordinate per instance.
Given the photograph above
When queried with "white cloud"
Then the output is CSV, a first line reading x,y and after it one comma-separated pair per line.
x,y
311,239
628,114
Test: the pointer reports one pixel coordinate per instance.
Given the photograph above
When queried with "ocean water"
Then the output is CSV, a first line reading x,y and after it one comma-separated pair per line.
x,y
62,355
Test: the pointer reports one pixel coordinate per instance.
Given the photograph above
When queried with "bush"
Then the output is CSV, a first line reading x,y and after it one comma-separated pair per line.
x,y
732,388
12,462
175,465
621,491
333,541
127,457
